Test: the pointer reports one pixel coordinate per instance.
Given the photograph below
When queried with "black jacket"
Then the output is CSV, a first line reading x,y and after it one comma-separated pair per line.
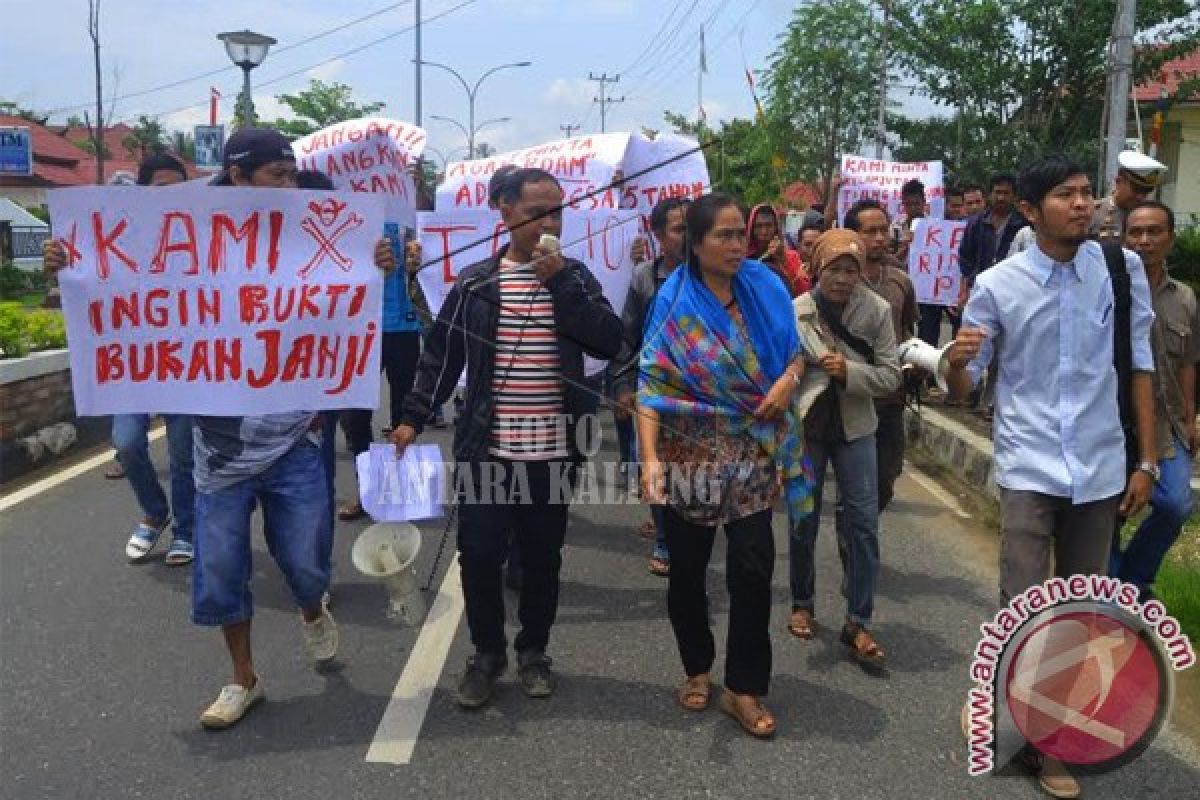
x,y
464,335
979,250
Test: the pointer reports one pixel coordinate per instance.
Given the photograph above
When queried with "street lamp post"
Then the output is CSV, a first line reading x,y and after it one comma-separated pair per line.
x,y
247,50
467,133
472,91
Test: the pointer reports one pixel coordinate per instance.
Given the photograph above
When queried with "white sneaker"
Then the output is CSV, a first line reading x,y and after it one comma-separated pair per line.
x,y
231,705
321,637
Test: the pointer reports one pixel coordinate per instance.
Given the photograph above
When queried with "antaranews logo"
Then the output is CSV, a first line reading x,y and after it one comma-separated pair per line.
x,y
1077,668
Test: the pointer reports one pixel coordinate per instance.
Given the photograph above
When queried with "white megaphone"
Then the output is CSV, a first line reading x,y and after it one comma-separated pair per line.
x,y
388,551
919,353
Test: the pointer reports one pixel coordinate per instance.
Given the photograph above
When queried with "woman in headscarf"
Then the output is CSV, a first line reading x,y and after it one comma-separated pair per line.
x,y
720,363
766,243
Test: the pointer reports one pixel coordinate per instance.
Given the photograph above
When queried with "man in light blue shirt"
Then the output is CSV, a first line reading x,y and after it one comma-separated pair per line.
x,y
1047,315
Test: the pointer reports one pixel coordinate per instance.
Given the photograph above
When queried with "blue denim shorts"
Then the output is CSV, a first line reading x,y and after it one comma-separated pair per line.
x,y
295,507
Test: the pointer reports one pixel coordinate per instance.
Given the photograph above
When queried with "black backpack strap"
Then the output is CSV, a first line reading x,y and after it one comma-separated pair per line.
x,y
1114,259
856,342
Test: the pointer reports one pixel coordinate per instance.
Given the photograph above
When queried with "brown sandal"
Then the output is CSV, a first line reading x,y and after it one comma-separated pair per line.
x,y
351,512
695,693
863,647
802,624
660,567
759,723
647,530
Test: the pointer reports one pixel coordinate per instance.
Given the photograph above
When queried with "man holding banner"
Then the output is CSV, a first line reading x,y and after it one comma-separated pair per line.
x,y
520,323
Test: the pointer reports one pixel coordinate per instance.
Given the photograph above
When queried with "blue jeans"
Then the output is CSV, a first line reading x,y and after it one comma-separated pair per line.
x,y
133,451
296,526
1171,504
856,521
329,423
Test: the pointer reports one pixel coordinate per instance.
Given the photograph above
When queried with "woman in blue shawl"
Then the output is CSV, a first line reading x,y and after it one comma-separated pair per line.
x,y
719,436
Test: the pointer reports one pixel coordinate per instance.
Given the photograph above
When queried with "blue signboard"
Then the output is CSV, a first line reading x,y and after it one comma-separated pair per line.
x,y
16,151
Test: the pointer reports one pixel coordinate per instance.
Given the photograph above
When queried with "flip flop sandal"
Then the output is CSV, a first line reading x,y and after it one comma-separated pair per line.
x,y
647,530
750,724
349,513
863,647
142,542
802,624
179,554
660,567
694,694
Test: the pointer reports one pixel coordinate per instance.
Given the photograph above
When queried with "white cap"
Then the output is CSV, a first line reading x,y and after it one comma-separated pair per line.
x,y
1141,168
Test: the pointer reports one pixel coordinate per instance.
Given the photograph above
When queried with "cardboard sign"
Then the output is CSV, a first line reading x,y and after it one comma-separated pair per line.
x,y
220,301
372,155
933,261
882,180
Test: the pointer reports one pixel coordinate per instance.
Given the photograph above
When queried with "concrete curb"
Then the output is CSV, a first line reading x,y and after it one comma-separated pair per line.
x,y
954,446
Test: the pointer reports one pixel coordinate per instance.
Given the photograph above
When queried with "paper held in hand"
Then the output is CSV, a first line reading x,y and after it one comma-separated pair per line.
x,y
401,489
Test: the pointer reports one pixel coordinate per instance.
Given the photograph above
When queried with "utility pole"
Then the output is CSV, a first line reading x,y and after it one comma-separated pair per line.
x,y
417,93
1121,69
568,128
604,101
881,122
701,117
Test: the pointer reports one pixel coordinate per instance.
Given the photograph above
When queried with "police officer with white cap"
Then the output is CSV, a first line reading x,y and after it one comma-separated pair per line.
x,y
1137,176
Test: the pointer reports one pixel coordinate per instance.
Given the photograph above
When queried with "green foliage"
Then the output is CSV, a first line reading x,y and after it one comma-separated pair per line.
x,y
16,282
89,146
320,105
1027,76
740,161
1184,259
23,331
823,86
148,136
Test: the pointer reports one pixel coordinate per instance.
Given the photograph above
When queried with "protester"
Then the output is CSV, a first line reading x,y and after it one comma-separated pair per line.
x,y
130,431
973,200
806,239
912,203
1175,341
1059,446
985,242
1137,176
520,323
886,277
720,364
850,338
766,243
955,204
667,224
271,460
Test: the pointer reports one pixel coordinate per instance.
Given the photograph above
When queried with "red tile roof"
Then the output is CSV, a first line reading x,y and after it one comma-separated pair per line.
x,y
58,162
1170,76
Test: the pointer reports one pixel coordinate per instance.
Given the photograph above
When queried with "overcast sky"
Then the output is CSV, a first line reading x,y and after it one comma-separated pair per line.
x,y
46,59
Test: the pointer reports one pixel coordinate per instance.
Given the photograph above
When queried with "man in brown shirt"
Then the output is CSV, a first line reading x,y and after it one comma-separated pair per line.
x,y
883,274
1175,341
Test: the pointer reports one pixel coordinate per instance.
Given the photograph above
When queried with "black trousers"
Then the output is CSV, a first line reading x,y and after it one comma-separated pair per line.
x,y
889,449
399,362
491,515
749,563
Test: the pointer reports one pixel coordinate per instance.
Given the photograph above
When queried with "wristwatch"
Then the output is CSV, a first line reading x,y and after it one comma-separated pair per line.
x,y
1151,469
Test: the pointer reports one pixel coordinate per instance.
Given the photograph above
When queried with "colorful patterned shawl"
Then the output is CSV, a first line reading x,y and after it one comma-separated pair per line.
x,y
694,361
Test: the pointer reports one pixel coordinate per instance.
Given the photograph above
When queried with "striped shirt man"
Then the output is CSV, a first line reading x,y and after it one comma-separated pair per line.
x,y
528,422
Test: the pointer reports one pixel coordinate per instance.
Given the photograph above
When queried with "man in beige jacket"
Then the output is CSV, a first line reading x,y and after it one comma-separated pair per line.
x,y
847,332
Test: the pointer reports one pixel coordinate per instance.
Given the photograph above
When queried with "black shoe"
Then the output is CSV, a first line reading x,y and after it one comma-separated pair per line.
x,y
478,682
533,669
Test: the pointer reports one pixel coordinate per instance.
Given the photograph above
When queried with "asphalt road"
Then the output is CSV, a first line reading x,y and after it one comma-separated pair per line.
x,y
102,677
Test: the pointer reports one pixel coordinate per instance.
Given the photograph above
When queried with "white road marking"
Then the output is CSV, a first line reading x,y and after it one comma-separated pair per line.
x,y
396,737
61,477
930,485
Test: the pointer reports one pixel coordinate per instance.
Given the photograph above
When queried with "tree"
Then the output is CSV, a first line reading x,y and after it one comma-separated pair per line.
x,y
320,105
739,160
822,86
147,137
29,115
1026,76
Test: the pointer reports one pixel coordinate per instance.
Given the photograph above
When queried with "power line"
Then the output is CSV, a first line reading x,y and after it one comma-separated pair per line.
x,y
336,57
653,39
222,70
567,128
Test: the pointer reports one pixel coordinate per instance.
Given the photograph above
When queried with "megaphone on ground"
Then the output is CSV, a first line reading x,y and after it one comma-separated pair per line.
x,y
388,551
919,353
